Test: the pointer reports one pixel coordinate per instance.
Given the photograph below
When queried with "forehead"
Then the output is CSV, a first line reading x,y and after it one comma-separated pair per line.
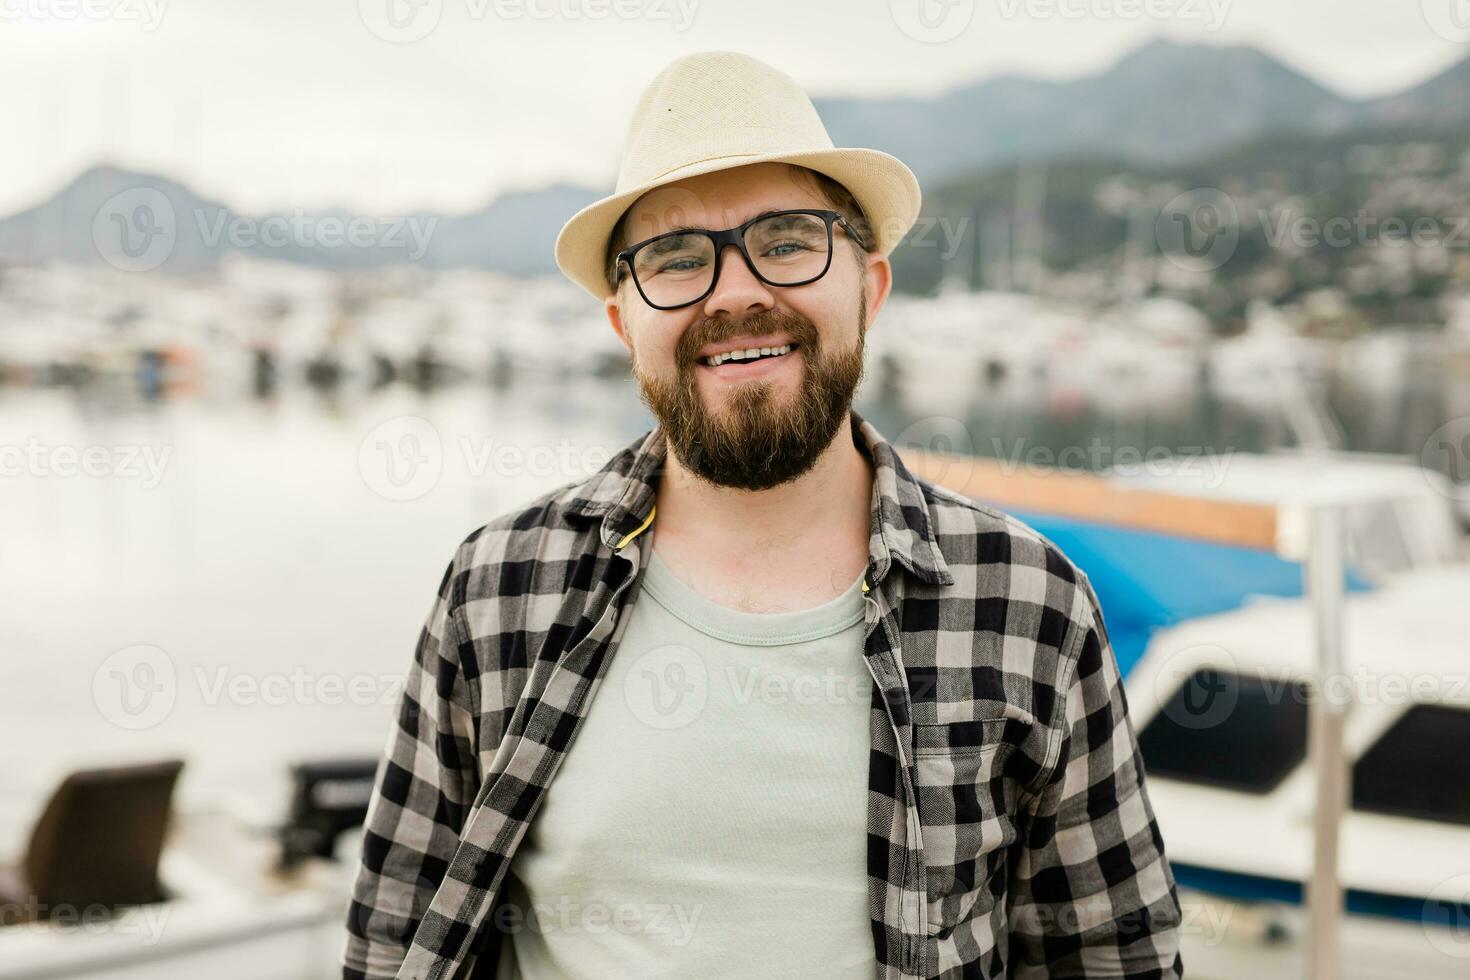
x,y
722,199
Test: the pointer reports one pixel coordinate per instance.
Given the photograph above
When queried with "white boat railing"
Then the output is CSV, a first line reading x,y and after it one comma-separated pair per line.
x,y
1325,571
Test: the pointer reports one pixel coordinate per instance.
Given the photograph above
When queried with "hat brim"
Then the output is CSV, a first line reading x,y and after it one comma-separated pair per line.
x,y
883,185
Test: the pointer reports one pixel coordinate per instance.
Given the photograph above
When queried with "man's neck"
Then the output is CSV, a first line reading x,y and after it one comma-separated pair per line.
x,y
821,518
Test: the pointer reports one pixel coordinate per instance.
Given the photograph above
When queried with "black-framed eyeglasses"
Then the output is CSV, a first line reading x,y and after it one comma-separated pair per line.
x,y
781,248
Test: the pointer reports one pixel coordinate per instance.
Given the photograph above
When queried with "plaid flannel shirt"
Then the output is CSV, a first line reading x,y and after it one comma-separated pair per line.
x,y
1009,830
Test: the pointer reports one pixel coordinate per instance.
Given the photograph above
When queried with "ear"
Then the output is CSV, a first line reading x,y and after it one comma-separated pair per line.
x,y
877,283
615,316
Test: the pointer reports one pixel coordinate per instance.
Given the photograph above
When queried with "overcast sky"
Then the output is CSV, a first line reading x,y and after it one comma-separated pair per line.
x,y
309,103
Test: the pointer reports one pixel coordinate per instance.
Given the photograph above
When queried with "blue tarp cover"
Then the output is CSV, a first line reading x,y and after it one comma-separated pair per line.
x,y
1146,581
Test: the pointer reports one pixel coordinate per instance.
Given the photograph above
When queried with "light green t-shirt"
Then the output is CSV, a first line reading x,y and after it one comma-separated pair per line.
x,y
711,817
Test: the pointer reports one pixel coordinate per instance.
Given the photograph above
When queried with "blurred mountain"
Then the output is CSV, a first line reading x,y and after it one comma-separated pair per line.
x,y
130,219
1442,100
1160,107
1165,102
82,219
1299,214
515,233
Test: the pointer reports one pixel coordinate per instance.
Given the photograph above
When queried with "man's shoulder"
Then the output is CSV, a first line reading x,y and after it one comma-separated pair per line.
x,y
1002,556
1026,606
536,531
961,523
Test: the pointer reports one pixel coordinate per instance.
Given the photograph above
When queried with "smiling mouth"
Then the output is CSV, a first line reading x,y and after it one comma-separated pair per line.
x,y
749,356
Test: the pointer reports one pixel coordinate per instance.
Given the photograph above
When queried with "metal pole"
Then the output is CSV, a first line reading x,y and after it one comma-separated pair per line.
x,y
1325,573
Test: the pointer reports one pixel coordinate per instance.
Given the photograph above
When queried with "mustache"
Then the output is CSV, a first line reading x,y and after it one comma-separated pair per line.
x,y
712,331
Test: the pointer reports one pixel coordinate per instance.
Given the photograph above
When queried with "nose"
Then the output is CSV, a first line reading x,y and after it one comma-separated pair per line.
x,y
737,290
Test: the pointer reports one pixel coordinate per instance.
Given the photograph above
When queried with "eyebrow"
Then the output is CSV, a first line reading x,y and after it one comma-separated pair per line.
x,y
765,213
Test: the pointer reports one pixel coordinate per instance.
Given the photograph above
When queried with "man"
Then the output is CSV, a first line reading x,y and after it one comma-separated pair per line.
x,y
829,720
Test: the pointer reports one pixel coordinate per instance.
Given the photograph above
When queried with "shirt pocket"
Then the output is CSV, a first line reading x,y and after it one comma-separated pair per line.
x,y
965,804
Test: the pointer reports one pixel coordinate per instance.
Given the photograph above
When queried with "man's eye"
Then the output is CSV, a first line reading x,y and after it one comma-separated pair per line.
x,y
788,248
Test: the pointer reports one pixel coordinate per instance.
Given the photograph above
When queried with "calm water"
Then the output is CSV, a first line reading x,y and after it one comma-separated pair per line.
x,y
276,559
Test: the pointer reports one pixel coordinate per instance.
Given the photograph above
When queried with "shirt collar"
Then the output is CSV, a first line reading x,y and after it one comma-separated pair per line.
x,y
622,494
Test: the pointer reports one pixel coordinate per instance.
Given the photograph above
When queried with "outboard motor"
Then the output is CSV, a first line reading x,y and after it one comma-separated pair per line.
x,y
327,797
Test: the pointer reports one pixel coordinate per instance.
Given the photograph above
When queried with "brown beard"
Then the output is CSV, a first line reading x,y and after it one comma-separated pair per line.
x,y
753,442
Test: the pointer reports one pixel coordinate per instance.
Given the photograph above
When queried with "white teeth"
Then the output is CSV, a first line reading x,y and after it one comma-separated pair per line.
x,y
716,360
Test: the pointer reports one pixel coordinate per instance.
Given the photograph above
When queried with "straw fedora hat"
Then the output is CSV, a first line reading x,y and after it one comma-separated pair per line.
x,y
716,110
